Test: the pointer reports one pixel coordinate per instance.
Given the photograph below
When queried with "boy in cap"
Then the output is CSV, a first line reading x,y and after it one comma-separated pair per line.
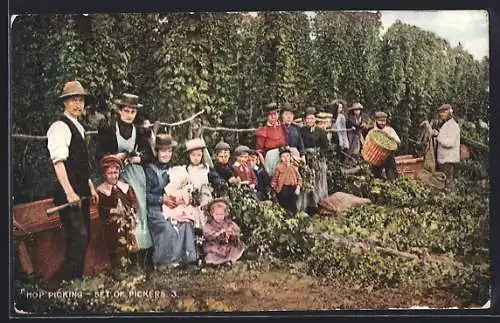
x,y
69,155
222,165
448,144
241,169
287,181
389,164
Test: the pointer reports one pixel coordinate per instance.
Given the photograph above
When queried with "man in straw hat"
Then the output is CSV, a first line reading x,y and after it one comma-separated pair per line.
x,y
356,123
448,144
389,164
270,137
68,152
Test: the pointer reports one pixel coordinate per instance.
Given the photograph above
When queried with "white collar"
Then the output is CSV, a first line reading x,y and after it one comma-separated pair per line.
x,y
73,119
105,188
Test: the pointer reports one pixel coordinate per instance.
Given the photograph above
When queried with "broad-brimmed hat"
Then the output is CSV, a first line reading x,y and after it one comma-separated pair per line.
x,y
164,140
270,108
241,150
129,100
196,143
221,145
310,110
444,107
288,107
380,115
73,88
217,200
285,149
324,116
356,106
108,161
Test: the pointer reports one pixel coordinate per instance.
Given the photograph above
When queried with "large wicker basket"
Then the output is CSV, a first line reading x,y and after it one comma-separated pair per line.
x,y
373,153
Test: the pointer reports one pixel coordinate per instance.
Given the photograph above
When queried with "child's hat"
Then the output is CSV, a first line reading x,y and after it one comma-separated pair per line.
x,y
284,149
217,200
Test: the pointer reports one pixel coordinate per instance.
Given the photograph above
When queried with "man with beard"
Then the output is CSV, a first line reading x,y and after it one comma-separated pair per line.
x,y
448,144
389,164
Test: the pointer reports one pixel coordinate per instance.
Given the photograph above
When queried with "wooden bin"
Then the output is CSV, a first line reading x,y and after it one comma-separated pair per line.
x,y
409,166
39,240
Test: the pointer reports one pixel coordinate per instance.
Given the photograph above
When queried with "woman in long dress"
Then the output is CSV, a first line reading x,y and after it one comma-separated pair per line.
x,y
316,146
174,243
130,143
355,122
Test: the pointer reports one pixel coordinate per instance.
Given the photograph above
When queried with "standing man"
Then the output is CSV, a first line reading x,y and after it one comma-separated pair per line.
x,y
448,144
391,171
295,141
68,152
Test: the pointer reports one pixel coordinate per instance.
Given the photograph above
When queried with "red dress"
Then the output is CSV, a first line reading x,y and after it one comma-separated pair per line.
x,y
108,199
270,137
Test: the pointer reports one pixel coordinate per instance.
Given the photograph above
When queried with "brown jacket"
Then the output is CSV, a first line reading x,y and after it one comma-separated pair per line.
x,y
286,175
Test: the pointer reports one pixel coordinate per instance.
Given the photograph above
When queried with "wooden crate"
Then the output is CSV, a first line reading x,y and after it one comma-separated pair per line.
x,y
409,166
39,240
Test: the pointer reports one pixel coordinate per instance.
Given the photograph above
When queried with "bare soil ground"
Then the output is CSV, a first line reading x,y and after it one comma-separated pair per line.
x,y
242,289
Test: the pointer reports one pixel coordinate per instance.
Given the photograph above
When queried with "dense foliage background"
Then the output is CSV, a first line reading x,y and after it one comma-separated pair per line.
x,y
231,64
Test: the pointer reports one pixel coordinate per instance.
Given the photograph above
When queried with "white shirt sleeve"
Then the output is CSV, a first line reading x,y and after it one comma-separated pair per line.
x,y
58,140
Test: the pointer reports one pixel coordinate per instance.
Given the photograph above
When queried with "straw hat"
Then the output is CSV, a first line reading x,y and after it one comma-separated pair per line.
x,y
73,88
129,100
324,116
196,143
164,140
356,106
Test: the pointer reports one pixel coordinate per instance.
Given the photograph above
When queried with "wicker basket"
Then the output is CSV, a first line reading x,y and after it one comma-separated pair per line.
x,y
373,153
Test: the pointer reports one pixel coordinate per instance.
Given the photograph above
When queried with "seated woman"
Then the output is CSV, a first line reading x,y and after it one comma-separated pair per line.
x,y
222,236
117,209
173,244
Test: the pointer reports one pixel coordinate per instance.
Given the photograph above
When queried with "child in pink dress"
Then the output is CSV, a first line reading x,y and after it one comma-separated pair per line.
x,y
222,242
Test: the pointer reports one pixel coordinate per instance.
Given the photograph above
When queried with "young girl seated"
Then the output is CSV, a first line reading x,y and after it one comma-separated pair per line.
x,y
287,181
201,177
222,236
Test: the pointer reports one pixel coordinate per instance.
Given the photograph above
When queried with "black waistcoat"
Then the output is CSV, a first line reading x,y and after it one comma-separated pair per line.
x,y
77,165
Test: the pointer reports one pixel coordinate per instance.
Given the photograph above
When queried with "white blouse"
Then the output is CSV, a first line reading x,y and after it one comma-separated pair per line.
x,y
59,138
198,175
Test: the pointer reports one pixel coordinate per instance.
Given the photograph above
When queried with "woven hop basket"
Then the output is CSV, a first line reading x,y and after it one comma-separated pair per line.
x,y
377,147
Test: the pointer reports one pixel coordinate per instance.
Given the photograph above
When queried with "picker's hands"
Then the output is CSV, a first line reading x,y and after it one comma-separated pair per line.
x,y
435,133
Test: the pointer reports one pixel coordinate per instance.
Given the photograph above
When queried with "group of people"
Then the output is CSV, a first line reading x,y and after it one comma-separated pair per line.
x,y
163,215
